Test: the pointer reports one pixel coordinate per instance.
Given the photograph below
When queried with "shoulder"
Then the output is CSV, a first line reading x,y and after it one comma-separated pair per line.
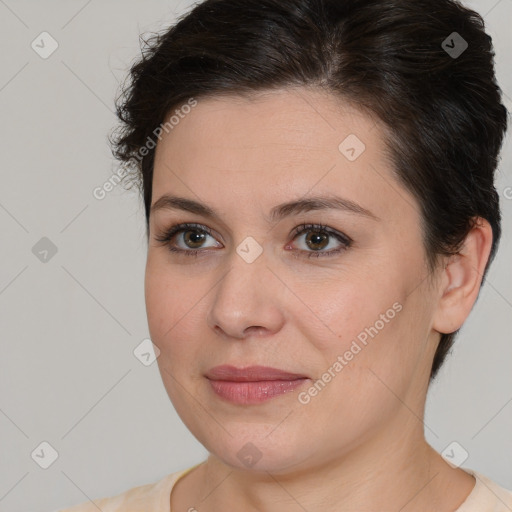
x,y
153,496
487,496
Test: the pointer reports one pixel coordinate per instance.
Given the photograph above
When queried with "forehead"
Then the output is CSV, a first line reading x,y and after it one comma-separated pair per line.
x,y
277,145
290,123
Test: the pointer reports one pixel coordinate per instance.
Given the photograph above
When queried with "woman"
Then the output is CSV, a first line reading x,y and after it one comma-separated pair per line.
x,y
318,178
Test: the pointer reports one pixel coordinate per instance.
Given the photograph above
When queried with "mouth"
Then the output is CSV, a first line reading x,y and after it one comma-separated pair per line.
x,y
252,384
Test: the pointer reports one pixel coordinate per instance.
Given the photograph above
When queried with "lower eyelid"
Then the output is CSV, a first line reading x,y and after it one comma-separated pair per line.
x,y
301,230
181,232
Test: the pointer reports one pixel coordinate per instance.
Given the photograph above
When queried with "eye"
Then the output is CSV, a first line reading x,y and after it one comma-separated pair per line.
x,y
317,239
194,236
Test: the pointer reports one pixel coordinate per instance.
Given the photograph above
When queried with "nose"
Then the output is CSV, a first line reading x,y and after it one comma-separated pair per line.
x,y
247,300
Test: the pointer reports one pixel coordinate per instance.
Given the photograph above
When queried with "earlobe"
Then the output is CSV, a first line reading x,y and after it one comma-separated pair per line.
x,y
462,278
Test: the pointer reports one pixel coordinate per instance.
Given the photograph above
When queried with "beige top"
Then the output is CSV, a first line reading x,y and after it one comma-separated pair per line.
x,y
486,496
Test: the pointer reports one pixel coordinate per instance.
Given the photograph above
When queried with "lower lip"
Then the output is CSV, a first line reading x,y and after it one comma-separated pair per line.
x,y
253,392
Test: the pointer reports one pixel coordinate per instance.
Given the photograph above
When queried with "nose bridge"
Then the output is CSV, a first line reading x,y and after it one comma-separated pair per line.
x,y
246,296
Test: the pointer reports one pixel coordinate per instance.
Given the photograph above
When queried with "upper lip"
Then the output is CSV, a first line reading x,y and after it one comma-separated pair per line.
x,y
250,374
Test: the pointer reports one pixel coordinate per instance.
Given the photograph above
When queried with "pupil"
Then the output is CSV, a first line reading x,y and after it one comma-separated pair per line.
x,y
198,237
317,240
313,239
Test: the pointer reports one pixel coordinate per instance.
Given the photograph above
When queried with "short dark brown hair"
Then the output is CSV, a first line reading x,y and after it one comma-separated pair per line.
x,y
404,61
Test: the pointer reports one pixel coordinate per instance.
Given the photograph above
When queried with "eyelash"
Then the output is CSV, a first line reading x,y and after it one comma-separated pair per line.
x,y
168,235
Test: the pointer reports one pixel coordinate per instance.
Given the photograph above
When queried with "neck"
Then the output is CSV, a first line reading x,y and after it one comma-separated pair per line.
x,y
387,472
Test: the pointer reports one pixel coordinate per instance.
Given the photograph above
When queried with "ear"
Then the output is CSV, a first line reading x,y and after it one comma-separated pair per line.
x,y
461,279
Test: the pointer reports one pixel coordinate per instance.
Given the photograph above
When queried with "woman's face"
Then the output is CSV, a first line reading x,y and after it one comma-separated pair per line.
x,y
356,318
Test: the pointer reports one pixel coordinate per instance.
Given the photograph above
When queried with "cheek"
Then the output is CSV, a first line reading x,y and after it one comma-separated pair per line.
x,y
349,307
171,318
382,345
371,321
175,312
160,302
167,303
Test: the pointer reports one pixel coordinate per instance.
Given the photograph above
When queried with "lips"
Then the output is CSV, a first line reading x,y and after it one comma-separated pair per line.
x,y
250,374
253,384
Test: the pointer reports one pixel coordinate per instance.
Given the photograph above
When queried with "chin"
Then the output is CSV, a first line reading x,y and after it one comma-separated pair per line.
x,y
254,450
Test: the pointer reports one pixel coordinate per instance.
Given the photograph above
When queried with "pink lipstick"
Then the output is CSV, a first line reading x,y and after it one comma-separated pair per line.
x,y
252,384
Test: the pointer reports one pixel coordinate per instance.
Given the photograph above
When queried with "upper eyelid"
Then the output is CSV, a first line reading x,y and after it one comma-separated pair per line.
x,y
298,230
312,226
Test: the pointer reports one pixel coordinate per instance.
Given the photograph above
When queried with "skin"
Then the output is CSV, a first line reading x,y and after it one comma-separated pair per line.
x,y
359,443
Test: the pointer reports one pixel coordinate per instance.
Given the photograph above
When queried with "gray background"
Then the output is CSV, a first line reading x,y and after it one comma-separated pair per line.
x,y
69,326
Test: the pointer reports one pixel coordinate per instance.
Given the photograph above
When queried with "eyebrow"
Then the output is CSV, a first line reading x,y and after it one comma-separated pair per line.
x,y
169,202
